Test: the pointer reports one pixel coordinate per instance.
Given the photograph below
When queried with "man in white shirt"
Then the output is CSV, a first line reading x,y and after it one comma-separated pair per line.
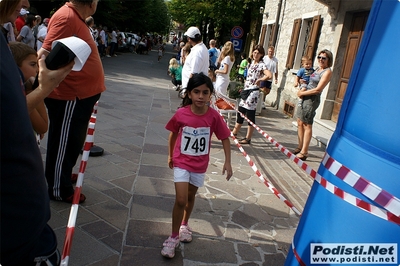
x,y
272,65
198,60
42,33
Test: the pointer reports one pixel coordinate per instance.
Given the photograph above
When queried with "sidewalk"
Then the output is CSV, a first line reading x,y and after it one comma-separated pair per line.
x,y
130,192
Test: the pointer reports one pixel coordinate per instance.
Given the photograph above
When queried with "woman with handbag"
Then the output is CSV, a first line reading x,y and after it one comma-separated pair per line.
x,y
257,72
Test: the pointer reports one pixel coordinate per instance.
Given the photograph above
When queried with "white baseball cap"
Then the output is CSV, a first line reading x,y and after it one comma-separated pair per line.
x,y
23,12
192,31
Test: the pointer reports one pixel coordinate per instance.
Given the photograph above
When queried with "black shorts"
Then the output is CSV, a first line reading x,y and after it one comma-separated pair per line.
x,y
250,114
266,84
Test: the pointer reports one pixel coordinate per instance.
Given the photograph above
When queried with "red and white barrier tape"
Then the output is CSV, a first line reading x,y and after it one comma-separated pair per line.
x,y
377,211
260,176
297,256
75,202
368,189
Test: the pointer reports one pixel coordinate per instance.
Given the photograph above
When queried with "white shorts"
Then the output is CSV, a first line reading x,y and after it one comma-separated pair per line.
x,y
182,175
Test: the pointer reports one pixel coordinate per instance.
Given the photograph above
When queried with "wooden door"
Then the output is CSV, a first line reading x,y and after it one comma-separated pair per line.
x,y
353,43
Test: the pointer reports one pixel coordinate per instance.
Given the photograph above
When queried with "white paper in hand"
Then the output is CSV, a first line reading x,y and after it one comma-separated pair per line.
x,y
79,47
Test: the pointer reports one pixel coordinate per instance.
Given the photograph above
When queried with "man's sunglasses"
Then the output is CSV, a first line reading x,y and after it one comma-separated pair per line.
x,y
321,57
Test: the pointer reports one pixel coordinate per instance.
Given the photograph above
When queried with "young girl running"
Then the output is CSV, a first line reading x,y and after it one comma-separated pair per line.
x,y
189,147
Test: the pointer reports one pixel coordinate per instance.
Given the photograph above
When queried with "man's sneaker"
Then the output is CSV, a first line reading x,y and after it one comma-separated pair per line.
x,y
185,234
107,55
263,105
169,247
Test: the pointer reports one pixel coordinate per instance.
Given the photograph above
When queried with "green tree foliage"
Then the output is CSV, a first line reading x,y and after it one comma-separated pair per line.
x,y
146,16
133,15
220,15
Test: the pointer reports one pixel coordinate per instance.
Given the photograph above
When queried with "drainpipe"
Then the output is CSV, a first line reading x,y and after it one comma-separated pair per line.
x,y
278,14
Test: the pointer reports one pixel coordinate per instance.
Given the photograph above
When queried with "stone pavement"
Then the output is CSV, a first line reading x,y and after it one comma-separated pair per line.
x,y
130,191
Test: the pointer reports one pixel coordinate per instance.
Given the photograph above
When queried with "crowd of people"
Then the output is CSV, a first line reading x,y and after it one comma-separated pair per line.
x,y
62,104
111,40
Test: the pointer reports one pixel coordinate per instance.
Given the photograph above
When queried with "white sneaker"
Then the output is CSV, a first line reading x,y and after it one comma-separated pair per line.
x,y
263,105
182,93
185,234
169,247
108,55
174,87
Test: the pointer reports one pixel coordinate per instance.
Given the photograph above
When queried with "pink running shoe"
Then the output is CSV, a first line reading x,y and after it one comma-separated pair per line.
x,y
185,234
169,247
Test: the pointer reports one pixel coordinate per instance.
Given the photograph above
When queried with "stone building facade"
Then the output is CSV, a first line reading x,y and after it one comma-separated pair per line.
x,y
306,27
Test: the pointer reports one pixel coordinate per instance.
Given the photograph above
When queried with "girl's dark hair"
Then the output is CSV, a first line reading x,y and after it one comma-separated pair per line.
x,y
195,81
29,20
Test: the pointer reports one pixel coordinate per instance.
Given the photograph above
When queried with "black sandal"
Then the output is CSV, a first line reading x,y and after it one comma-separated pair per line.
x,y
303,156
245,141
296,151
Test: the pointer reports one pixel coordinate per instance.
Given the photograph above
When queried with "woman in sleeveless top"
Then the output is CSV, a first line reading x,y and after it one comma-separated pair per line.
x,y
311,100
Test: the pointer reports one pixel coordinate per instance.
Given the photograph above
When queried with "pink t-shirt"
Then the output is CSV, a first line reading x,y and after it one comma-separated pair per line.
x,y
192,147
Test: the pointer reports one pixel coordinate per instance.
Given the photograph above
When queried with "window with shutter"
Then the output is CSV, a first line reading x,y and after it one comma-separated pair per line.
x,y
272,36
263,32
293,43
304,40
313,36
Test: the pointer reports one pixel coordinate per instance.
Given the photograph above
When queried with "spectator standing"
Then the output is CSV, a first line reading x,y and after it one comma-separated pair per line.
x,y
198,60
311,100
222,78
90,23
70,105
242,67
102,42
42,33
113,42
26,59
185,52
179,54
213,54
257,73
26,33
108,41
25,209
20,22
160,52
36,27
272,65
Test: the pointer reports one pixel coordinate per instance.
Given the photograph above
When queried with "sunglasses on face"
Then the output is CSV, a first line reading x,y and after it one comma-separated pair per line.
x,y
321,57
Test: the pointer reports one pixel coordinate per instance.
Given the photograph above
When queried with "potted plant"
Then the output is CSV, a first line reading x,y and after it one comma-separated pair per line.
x,y
234,89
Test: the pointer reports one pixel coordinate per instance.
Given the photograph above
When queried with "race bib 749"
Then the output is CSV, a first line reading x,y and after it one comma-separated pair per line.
x,y
195,141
